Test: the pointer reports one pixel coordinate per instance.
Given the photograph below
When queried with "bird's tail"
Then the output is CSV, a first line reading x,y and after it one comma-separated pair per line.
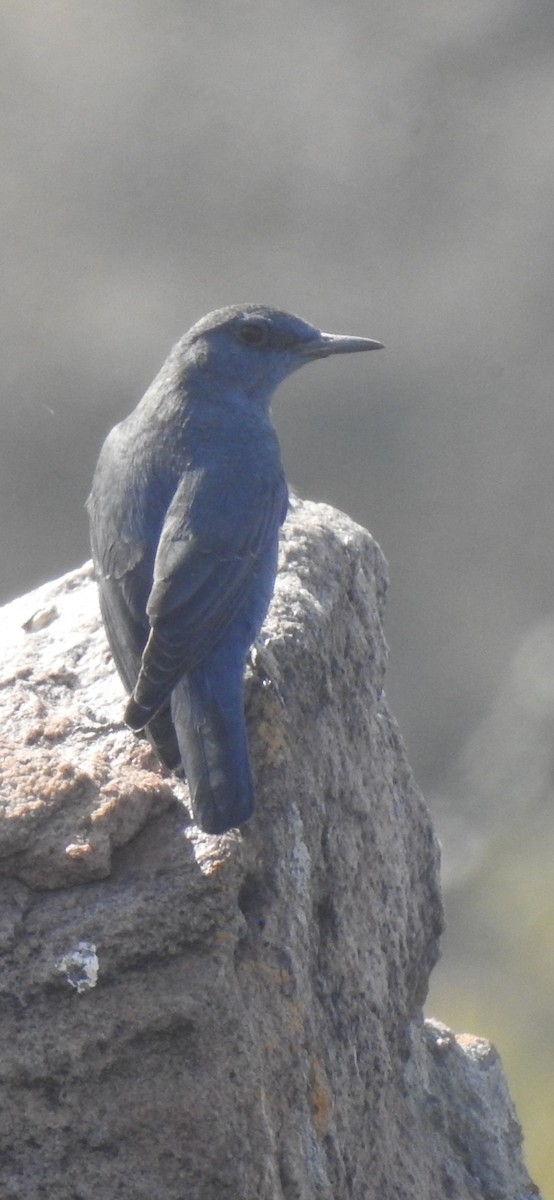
x,y
208,716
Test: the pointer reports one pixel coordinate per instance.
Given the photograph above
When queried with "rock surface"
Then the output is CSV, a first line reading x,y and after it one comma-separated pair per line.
x,y
187,1017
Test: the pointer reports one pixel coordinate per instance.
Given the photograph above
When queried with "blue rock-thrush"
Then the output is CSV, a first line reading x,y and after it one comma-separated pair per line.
x,y
186,505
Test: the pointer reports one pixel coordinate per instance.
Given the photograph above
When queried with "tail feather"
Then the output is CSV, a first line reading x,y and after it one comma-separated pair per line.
x,y
211,733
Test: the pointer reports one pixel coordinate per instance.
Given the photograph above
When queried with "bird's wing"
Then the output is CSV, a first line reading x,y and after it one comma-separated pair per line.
x,y
213,543
124,579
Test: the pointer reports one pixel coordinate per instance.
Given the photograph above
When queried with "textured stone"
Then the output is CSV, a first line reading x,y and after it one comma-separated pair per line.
x,y
185,1016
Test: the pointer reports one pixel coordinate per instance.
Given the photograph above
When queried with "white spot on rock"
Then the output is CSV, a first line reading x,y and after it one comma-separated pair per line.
x,y
80,966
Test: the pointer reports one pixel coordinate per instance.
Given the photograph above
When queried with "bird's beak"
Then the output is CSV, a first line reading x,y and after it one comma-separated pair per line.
x,y
336,343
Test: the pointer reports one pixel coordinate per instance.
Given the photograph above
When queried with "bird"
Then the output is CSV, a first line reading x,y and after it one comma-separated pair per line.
x,y
185,510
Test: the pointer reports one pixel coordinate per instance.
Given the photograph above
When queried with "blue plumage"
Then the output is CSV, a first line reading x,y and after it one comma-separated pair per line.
x,y
185,509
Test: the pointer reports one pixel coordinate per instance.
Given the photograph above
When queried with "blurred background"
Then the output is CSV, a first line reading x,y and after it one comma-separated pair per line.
x,y
379,167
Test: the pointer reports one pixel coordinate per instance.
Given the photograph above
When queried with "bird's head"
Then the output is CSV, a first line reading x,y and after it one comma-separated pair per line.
x,y
248,349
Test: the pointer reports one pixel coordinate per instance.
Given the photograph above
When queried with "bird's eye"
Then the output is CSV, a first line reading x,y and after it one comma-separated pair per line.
x,y
253,334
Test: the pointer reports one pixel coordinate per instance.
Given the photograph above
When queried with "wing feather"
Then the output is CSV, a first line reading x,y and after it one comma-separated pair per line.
x,y
203,577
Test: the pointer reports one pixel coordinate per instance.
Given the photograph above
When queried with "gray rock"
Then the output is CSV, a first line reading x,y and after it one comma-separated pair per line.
x,y
185,1016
